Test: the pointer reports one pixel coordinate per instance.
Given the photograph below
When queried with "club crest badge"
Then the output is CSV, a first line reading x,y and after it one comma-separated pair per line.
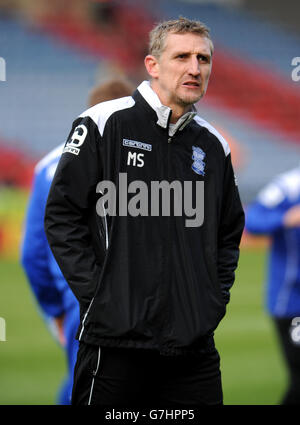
x,y
198,158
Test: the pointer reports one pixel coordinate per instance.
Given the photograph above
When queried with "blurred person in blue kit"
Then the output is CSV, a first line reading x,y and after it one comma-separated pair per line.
x,y
276,212
57,304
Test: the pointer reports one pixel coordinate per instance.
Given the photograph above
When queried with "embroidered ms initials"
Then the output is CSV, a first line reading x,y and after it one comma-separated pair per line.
x,y
135,159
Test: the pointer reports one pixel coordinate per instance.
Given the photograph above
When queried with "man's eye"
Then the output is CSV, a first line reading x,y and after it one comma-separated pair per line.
x,y
183,56
202,58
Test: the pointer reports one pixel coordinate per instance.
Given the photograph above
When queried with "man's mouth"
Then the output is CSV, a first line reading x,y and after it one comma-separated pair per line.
x,y
191,84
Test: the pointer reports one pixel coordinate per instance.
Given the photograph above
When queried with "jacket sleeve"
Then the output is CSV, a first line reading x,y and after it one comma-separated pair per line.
x,y
70,201
231,227
265,214
35,251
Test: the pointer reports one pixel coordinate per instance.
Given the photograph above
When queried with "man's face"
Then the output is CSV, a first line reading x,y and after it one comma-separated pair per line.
x,y
180,76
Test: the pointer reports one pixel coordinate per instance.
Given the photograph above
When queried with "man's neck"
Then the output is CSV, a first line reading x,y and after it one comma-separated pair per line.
x,y
177,113
177,110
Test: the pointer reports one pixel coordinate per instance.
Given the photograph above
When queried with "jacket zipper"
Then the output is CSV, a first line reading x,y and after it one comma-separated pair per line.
x,y
168,307
91,302
84,319
104,224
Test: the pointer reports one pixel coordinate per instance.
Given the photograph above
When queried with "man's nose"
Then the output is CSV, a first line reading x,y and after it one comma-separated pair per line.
x,y
194,66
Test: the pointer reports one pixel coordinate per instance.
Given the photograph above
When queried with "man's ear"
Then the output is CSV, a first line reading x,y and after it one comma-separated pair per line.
x,y
151,64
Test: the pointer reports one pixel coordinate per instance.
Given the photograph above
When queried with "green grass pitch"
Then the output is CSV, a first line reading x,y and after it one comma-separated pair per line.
x,y
32,364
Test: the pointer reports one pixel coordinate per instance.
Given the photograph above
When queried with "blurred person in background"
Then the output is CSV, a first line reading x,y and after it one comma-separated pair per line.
x,y
276,213
55,299
152,290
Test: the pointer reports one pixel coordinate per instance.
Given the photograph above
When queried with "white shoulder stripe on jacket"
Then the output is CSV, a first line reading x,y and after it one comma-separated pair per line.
x,y
101,112
215,132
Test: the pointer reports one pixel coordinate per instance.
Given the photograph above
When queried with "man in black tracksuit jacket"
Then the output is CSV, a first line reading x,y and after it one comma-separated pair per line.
x,y
152,287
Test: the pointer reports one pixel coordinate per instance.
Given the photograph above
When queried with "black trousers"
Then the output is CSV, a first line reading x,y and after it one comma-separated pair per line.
x,y
144,378
291,353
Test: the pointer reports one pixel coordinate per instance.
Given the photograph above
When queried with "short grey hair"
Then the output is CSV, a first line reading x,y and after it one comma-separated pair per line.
x,y
158,35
